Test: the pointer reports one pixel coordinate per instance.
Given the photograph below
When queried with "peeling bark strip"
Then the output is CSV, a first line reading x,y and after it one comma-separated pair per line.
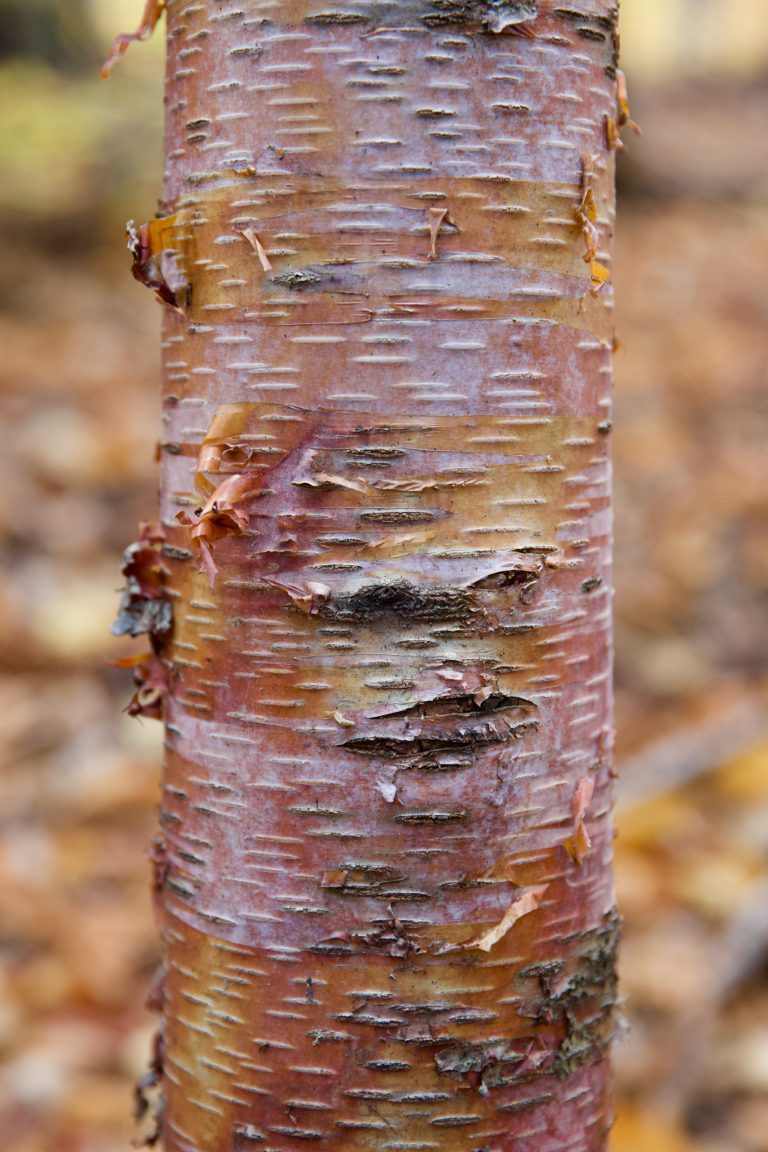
x,y
153,10
385,885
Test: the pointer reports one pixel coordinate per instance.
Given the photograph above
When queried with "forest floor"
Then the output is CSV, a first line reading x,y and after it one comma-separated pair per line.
x,y
79,782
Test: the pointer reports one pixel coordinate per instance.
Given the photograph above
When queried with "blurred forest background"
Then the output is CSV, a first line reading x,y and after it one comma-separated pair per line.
x,y
79,409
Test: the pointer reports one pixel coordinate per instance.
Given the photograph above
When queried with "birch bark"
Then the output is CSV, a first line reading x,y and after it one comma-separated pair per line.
x,y
384,874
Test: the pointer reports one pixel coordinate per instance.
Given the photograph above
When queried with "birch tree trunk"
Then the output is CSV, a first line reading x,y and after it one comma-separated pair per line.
x,y
384,871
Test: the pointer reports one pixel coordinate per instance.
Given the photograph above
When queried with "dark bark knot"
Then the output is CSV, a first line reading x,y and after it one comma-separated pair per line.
x,y
431,603
404,600
485,15
445,724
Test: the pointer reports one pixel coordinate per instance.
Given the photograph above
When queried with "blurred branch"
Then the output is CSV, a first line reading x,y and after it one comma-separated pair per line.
x,y
59,33
691,752
698,141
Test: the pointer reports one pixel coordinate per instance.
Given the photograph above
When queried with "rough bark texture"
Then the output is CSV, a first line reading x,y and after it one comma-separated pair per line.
x,y
384,870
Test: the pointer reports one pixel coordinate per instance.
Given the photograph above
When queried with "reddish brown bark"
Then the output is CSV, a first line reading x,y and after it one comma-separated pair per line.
x,y
385,886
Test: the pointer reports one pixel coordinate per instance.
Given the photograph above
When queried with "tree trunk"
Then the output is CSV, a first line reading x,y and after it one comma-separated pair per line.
x,y
384,872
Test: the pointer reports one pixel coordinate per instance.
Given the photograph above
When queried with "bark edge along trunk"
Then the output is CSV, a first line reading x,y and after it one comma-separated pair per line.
x,y
384,869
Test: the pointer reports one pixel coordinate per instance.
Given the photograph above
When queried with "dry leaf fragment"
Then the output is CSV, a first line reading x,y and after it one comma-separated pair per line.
x,y
258,248
153,10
